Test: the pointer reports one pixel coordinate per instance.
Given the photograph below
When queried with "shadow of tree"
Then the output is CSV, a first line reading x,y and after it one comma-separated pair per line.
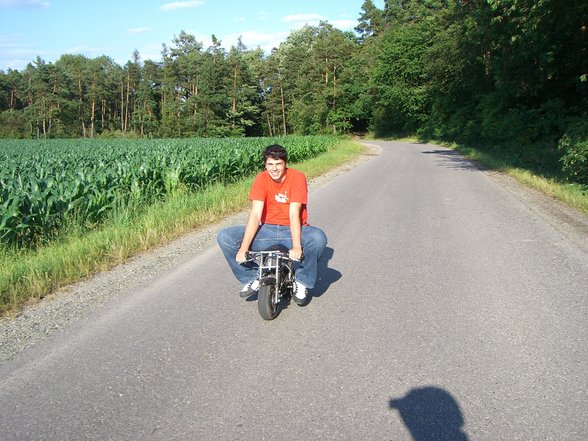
x,y
454,159
431,414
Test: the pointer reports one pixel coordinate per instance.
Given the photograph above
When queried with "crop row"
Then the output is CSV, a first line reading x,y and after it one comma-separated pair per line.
x,y
45,185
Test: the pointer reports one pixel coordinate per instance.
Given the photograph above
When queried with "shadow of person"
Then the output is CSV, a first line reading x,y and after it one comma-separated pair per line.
x,y
431,414
325,275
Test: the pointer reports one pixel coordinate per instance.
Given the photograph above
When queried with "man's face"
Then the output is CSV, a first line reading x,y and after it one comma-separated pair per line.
x,y
276,168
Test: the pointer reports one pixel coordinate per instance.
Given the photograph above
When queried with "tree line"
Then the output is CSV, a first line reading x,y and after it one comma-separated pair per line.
x,y
491,71
193,91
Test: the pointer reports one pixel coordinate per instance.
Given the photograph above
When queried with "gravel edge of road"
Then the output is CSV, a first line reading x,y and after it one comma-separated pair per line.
x,y
71,304
570,222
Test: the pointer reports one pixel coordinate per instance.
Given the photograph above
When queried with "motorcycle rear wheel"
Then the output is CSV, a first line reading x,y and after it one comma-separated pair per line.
x,y
266,302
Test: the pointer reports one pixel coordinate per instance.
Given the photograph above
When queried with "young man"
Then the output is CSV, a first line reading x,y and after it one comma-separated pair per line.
x,y
278,215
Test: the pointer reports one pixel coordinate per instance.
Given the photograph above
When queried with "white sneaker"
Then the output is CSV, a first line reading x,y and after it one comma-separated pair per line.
x,y
299,293
249,289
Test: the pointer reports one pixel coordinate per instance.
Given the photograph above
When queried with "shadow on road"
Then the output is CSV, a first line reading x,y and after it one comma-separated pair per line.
x,y
431,414
326,275
453,159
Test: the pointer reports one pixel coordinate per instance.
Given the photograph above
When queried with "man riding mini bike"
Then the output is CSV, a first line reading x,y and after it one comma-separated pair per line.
x,y
278,217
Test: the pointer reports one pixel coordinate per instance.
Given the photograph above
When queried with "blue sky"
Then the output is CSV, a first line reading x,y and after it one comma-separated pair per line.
x,y
51,28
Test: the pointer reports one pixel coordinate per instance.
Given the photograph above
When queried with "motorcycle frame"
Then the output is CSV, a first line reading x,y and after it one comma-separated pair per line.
x,y
271,272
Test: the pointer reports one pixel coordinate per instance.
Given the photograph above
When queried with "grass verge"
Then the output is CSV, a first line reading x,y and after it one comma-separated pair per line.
x,y
573,195
27,276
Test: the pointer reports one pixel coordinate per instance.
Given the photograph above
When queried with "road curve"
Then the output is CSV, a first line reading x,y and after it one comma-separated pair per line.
x,y
448,308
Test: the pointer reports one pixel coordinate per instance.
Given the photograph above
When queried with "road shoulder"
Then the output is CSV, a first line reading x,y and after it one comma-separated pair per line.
x,y
569,221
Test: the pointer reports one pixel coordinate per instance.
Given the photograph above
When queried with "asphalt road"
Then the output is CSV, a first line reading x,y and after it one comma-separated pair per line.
x,y
448,309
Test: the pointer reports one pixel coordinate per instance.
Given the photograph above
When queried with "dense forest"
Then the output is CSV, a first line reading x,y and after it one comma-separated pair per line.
x,y
492,72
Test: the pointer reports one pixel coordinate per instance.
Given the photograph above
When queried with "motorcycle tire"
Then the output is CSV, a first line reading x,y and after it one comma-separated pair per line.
x,y
266,304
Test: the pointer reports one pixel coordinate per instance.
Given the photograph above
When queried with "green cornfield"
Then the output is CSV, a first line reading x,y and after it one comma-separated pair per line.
x,y
46,185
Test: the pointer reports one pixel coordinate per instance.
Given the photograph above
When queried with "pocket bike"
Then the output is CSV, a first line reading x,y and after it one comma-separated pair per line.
x,y
276,279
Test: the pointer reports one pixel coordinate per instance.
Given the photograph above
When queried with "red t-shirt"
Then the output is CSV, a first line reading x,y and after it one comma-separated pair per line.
x,y
278,196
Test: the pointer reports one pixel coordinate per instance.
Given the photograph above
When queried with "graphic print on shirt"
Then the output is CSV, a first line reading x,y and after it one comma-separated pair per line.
x,y
282,197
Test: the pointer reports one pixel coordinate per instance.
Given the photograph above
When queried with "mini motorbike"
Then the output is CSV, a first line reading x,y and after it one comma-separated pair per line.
x,y
276,279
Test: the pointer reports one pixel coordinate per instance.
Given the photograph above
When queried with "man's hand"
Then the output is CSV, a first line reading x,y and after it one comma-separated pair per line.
x,y
295,253
241,256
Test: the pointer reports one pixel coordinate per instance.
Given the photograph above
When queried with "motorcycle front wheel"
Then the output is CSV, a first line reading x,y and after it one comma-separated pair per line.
x,y
267,303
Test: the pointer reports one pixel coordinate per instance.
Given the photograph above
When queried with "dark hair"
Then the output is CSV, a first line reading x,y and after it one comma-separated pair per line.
x,y
275,151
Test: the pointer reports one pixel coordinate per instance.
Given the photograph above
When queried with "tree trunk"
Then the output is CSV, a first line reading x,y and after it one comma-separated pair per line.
x,y
283,109
92,115
334,95
179,114
283,102
128,100
235,90
81,105
143,119
122,99
103,123
234,106
269,125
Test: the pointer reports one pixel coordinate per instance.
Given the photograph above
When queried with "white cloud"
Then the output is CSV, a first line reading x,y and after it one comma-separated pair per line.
x,y
298,21
87,51
181,5
344,24
150,52
303,18
14,64
142,30
24,4
16,55
8,44
254,39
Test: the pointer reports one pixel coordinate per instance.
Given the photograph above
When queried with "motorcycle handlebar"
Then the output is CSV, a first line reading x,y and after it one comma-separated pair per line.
x,y
251,255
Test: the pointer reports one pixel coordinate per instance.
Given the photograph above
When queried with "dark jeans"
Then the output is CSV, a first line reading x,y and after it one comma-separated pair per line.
x,y
313,241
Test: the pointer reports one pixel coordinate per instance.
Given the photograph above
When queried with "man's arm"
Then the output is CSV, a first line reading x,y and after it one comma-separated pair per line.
x,y
250,229
295,230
